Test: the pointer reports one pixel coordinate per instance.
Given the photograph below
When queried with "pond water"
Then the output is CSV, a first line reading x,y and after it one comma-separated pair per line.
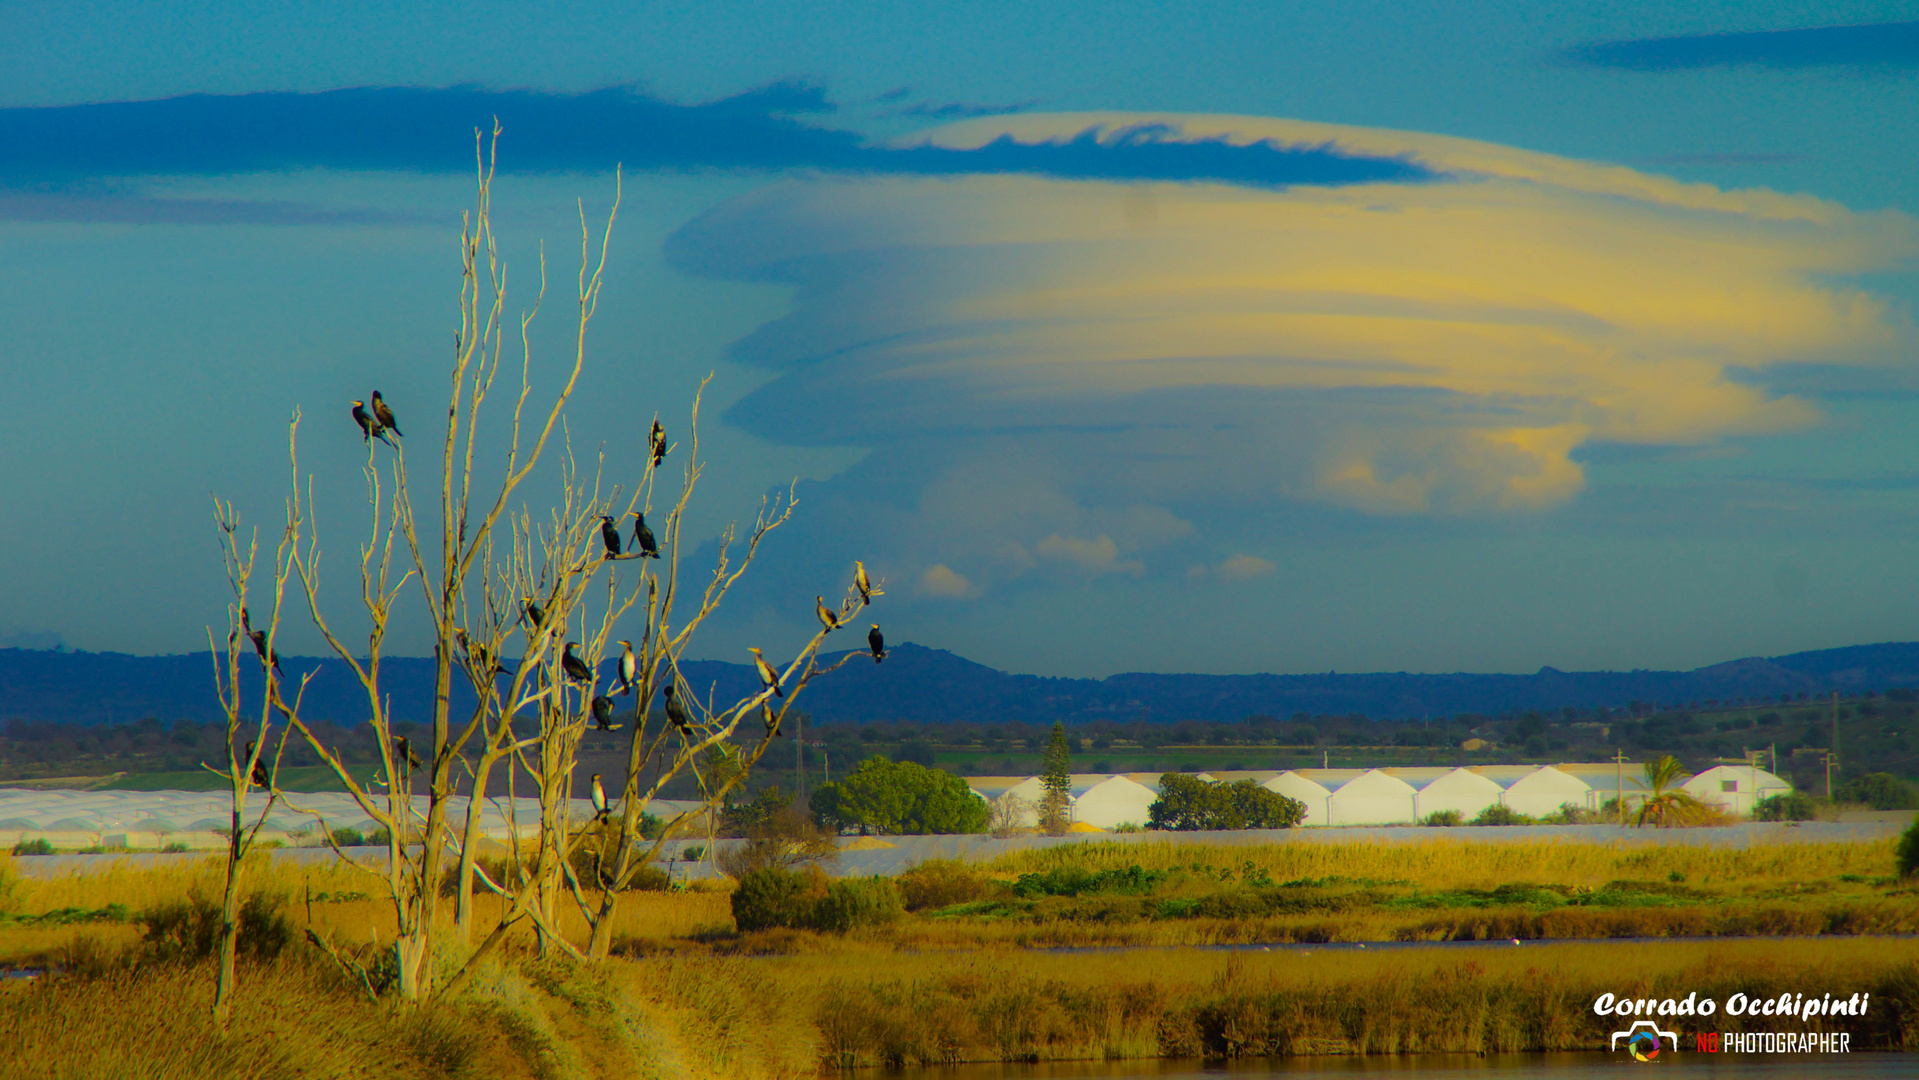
x,y
1693,1066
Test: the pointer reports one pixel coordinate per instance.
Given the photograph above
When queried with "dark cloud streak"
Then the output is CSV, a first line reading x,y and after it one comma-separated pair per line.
x,y
1883,45
431,130
134,209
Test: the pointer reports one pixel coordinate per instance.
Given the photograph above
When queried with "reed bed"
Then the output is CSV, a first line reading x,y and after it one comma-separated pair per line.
x,y
999,1005
1454,864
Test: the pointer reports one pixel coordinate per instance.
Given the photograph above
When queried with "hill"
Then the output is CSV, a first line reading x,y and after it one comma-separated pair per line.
x,y
935,686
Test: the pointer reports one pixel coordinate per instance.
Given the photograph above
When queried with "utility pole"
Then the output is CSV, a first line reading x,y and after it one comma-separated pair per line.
x,y
1619,783
799,755
1834,752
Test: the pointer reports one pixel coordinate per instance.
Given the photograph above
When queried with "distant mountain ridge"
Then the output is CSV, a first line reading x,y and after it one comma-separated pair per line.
x,y
936,686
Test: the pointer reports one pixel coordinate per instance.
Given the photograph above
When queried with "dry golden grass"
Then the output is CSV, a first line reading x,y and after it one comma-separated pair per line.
x,y
1461,864
1000,1005
782,1003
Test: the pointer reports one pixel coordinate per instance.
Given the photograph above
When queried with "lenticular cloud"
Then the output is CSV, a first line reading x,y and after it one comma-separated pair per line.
x,y
1398,347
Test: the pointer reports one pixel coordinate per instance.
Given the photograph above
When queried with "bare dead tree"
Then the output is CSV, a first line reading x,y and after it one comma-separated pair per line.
x,y
247,767
496,580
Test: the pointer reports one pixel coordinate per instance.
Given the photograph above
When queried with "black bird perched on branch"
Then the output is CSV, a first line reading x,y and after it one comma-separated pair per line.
x,y
405,751
656,441
261,778
385,415
876,641
599,799
827,618
575,667
629,667
259,639
768,677
771,721
478,654
603,714
535,615
610,536
864,586
370,429
676,712
643,536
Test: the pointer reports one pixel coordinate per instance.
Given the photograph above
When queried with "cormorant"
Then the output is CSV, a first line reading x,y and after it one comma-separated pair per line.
x,y
877,642
676,712
259,639
370,429
261,778
629,667
603,714
643,536
575,667
405,749
768,677
610,536
772,722
656,441
385,415
478,654
599,799
859,582
535,615
827,618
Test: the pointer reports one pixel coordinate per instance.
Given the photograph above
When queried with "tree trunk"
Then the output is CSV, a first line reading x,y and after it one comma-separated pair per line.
x,y
469,842
229,928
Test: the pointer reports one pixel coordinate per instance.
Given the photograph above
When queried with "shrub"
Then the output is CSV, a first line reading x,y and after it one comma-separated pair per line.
x,y
1076,880
1501,814
851,903
349,838
191,929
1443,819
1881,791
1907,854
938,883
175,848
36,846
768,898
1792,806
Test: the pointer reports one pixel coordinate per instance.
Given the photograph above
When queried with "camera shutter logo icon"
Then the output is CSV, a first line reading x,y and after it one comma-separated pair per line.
x,y
1642,1040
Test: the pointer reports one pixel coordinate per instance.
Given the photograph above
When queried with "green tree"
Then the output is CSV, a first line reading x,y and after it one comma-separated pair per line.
x,y
1187,803
1664,803
1881,791
1056,804
902,798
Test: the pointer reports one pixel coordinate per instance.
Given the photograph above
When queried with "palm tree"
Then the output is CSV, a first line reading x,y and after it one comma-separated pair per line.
x,y
1665,804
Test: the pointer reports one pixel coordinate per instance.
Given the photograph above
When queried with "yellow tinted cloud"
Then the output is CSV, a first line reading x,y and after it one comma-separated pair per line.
x,y
1402,348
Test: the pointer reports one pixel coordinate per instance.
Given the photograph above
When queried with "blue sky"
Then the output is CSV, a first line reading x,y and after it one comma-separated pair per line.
x,y
1222,337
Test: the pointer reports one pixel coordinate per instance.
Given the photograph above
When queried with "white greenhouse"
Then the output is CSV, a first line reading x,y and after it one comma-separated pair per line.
x,y
1462,791
1114,801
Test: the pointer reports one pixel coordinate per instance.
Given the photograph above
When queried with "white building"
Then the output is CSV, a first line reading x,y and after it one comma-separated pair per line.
x,y
1374,797
1113,801
1315,795
1544,790
1462,791
1735,788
